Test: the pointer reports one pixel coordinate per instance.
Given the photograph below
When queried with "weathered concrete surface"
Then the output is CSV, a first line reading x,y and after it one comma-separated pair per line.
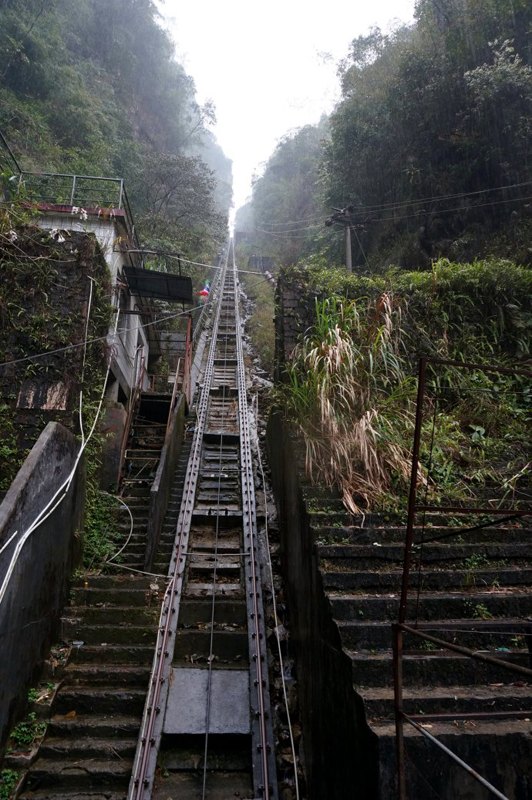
x,y
32,604
161,487
340,752
186,711
113,426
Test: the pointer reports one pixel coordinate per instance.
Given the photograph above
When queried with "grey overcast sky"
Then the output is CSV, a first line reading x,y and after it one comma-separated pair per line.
x,y
269,67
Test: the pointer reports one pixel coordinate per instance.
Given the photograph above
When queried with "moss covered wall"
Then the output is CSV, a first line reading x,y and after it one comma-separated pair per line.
x,y
45,282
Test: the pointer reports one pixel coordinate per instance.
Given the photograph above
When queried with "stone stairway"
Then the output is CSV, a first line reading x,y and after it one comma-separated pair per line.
x,y
474,591
110,625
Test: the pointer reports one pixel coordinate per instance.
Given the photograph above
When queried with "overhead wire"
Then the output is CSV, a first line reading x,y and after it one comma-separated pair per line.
x,y
405,204
100,338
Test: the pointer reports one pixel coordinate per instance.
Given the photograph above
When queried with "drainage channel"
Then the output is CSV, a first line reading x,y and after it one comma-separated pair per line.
x,y
206,730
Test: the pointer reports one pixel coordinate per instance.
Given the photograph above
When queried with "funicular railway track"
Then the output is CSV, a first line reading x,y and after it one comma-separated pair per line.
x,y
206,729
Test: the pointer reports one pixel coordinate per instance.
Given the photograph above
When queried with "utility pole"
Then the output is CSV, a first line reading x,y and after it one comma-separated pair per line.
x,y
343,216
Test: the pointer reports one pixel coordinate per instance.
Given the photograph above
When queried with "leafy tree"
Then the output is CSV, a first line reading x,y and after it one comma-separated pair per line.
x,y
93,87
434,119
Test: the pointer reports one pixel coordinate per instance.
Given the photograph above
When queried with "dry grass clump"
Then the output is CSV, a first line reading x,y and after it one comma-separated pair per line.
x,y
349,393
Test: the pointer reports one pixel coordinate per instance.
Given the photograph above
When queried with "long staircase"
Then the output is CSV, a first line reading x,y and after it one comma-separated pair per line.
x,y
111,626
474,590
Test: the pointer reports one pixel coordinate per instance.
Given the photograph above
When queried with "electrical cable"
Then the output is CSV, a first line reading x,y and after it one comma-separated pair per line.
x,y
360,245
131,527
434,198
137,571
102,338
456,208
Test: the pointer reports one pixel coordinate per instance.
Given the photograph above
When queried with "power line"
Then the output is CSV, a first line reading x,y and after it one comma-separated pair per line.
x,y
99,338
391,206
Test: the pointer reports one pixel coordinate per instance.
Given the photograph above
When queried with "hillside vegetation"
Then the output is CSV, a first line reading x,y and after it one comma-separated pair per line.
x,y
430,147
93,87
350,385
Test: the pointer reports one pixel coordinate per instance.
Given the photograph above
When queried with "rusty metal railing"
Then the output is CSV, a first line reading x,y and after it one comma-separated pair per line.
x,y
421,631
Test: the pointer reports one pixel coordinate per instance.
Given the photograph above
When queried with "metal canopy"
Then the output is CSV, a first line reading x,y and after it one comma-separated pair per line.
x,y
159,285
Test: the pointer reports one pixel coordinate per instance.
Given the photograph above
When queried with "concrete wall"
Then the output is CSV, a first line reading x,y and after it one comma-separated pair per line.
x,y
340,753
162,484
31,608
112,429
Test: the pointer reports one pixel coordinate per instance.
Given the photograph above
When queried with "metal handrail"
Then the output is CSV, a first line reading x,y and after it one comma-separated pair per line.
x,y
402,627
73,194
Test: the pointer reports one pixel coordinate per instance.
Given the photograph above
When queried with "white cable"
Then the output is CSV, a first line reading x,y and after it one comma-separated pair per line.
x,y
131,526
60,493
138,571
6,544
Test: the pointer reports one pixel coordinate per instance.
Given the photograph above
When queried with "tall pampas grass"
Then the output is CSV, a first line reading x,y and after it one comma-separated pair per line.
x,y
349,392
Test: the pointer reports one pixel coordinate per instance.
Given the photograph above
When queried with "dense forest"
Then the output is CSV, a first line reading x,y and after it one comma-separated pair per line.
x,y
428,153
92,87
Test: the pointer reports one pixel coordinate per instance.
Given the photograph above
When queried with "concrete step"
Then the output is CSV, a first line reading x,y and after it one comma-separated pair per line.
x,y
112,613
56,793
120,581
188,785
379,702
497,750
192,612
113,653
93,596
194,646
375,556
437,667
337,579
110,634
69,748
87,774
435,606
186,753
77,674
100,726
474,633
88,700
389,534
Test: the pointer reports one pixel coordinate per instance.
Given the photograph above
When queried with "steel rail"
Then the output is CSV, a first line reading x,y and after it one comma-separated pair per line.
x,y
264,772
142,777
214,595
226,312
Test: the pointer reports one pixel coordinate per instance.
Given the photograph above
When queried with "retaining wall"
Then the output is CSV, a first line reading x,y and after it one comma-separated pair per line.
x,y
340,753
36,592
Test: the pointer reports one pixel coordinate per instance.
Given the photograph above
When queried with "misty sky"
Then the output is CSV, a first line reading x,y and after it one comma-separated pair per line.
x,y
269,67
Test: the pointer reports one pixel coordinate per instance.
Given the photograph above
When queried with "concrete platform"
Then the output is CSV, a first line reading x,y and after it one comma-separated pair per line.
x,y
187,701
